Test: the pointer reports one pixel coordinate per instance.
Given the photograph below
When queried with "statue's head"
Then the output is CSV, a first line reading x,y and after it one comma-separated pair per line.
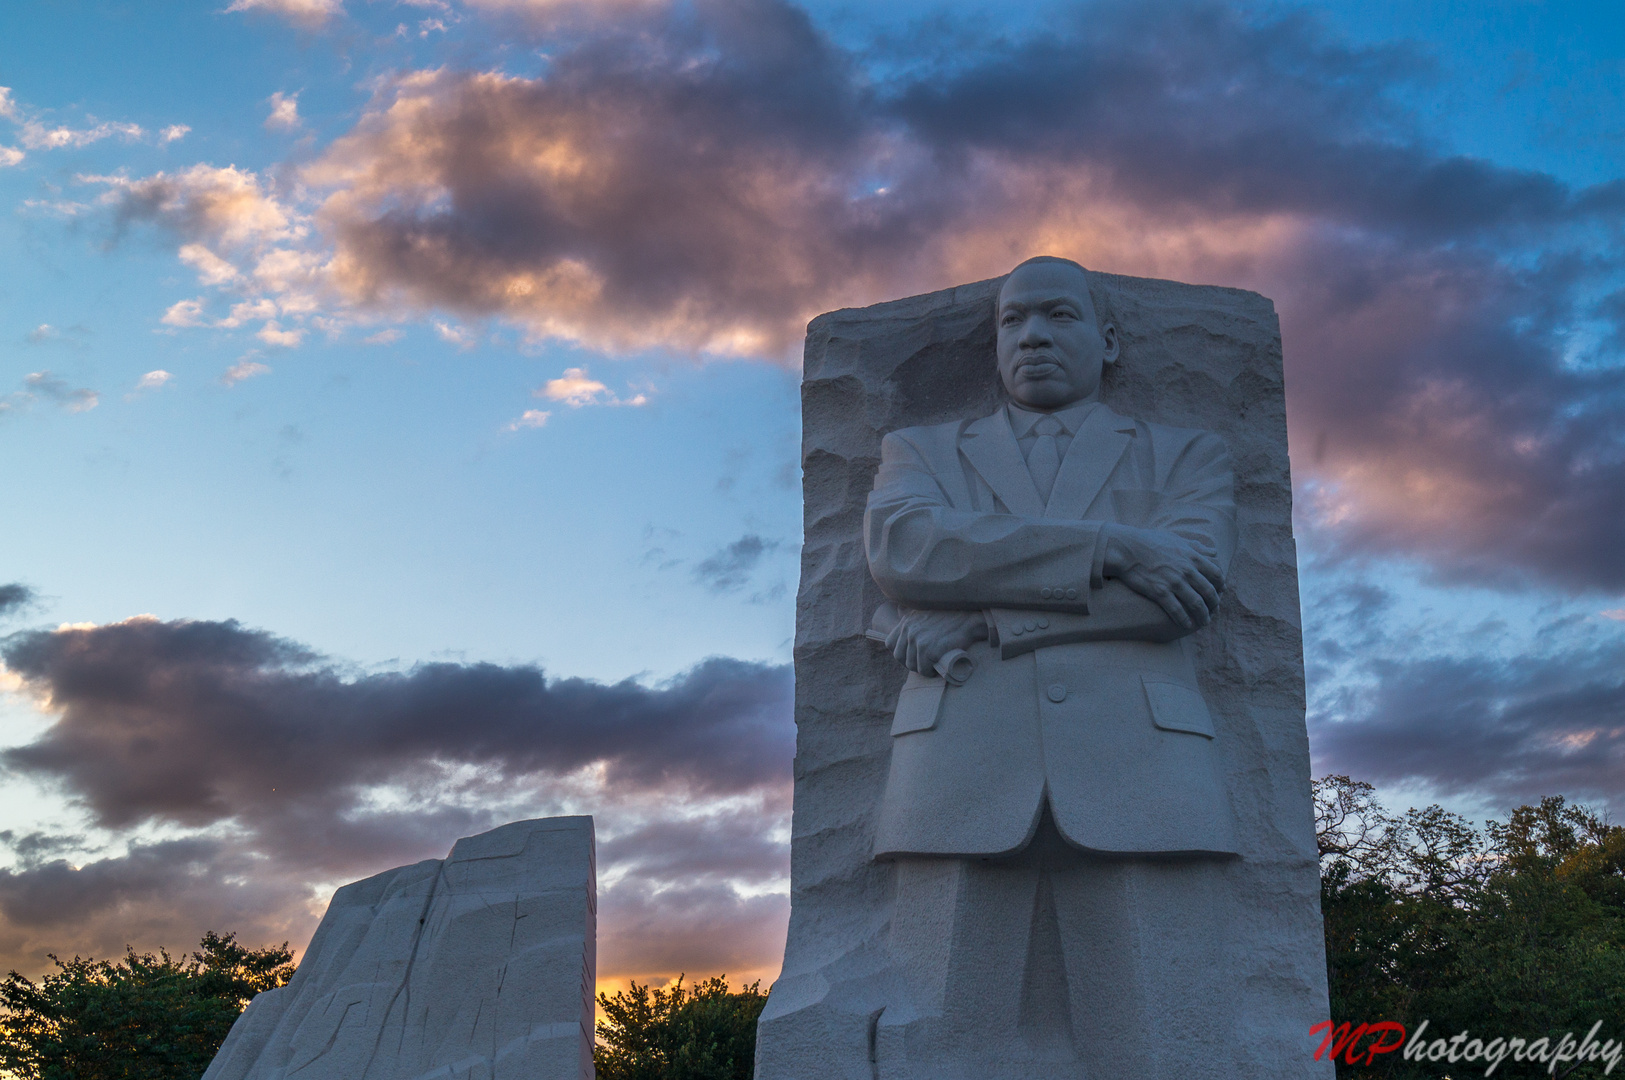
x,y
1054,339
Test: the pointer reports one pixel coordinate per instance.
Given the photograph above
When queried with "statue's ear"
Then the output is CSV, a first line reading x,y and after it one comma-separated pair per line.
x,y
1108,334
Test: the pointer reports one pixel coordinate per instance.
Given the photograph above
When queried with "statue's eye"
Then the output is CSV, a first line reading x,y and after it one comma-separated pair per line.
x,y
1010,320
1062,314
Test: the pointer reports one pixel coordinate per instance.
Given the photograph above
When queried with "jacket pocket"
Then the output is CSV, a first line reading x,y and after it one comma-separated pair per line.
x,y
918,704
1177,707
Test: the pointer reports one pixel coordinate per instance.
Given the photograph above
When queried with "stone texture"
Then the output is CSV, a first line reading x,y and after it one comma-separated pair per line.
x,y
1193,357
481,965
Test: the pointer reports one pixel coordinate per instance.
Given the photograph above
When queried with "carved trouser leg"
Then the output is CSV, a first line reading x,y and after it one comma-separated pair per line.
x,y
1055,963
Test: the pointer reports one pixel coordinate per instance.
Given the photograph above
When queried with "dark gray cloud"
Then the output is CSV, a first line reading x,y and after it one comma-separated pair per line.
x,y
1203,105
46,385
727,846
1510,729
197,722
730,569
1464,706
271,759
15,597
150,895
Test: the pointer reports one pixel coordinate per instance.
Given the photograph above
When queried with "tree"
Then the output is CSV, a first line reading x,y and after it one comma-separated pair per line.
x,y
144,1017
701,1033
1515,931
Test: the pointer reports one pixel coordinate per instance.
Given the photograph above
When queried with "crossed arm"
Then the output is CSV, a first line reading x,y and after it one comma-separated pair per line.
x,y
962,576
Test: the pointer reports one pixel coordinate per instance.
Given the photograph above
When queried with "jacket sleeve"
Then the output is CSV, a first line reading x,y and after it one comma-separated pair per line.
x,y
1116,613
1196,499
924,553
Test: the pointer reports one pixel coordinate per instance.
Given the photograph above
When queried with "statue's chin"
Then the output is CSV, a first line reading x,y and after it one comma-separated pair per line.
x,y
1044,398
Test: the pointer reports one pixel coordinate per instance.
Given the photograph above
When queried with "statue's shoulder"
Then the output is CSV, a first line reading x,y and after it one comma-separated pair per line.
x,y
1172,443
928,440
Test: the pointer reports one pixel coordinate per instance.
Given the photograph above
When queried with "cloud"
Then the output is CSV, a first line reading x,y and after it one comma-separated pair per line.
x,y
153,380
146,705
530,418
74,400
276,774
205,204
460,336
1460,699
576,389
310,14
247,311
37,136
695,894
45,333
1513,729
707,177
273,334
635,217
383,337
549,7
729,569
211,268
15,596
236,233
245,368
284,115
671,928
185,313
151,895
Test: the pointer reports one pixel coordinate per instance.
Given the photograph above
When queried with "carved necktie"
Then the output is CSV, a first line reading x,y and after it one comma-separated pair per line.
x,y
1044,459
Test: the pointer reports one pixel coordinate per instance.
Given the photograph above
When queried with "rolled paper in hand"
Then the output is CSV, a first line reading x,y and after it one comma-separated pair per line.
x,y
956,666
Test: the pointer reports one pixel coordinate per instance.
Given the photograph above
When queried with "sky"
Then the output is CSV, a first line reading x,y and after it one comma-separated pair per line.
x,y
400,406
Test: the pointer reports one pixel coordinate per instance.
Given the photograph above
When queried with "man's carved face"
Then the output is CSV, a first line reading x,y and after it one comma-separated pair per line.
x,y
1051,349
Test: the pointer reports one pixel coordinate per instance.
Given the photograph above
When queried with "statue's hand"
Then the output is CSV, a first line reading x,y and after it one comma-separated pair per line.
x,y
1165,567
922,638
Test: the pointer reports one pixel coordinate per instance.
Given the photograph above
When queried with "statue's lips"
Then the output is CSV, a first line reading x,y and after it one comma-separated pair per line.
x,y
1037,368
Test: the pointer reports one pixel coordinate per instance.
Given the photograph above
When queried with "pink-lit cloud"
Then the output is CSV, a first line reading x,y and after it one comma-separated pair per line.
x,y
284,114
310,14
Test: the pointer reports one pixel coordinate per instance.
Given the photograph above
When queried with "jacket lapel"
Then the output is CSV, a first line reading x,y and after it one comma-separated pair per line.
x,y
991,448
1090,461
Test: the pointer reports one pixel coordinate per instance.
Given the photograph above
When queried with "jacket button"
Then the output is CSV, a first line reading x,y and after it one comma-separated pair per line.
x,y
1046,593
1015,631
1072,594
1043,624
1057,693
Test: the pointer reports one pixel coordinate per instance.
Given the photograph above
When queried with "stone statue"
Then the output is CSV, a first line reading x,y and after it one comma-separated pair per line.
x,y
1066,550
1058,884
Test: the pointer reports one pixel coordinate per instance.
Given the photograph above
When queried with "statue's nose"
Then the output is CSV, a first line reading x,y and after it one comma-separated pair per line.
x,y
1035,332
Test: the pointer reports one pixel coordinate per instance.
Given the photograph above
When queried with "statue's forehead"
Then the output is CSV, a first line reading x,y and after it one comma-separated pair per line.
x,y
1042,282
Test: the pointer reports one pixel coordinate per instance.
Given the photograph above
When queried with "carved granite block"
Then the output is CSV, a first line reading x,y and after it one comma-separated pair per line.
x,y
481,965
1195,357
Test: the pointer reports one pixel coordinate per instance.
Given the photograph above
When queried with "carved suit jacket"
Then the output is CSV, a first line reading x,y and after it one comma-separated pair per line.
x,y
1085,697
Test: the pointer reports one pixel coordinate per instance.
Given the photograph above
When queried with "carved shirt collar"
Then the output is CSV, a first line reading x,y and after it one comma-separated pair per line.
x,y
1071,417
